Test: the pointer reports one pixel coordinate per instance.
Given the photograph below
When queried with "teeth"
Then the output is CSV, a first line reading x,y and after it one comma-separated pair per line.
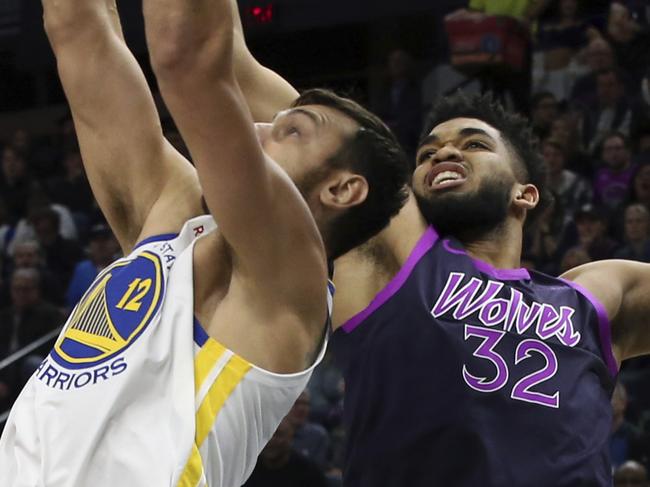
x,y
446,176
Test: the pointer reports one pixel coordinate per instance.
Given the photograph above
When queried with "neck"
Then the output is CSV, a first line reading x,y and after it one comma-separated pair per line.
x,y
501,248
403,232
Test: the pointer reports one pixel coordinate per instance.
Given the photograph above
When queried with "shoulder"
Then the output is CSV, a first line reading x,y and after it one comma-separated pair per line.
x,y
610,280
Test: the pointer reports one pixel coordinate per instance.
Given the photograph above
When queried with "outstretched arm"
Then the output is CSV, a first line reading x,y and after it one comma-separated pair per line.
x,y
265,91
141,183
260,213
624,289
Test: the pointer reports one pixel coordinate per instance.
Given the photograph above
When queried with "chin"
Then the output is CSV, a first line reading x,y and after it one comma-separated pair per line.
x,y
464,214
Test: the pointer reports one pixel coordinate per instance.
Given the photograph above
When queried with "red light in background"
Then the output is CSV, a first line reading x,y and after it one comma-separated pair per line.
x,y
261,14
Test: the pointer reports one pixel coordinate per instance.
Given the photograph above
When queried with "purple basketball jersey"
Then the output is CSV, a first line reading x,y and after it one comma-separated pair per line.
x,y
459,374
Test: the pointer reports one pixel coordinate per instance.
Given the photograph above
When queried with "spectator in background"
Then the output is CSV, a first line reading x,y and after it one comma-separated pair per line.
x,y
398,102
640,187
571,190
72,189
565,130
542,239
599,57
102,249
637,234
630,42
60,255
612,182
558,42
573,257
28,255
631,474
27,318
591,234
611,113
625,436
39,200
543,110
279,465
14,183
309,439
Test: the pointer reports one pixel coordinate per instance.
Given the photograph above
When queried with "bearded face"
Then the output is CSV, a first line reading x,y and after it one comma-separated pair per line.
x,y
467,216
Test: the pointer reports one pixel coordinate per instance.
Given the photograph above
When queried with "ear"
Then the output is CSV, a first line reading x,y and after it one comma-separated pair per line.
x,y
526,196
344,190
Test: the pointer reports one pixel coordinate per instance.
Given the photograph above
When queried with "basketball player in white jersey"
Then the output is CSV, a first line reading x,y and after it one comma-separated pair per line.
x,y
182,357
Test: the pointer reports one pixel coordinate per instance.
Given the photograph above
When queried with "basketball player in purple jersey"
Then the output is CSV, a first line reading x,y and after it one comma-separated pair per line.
x,y
463,369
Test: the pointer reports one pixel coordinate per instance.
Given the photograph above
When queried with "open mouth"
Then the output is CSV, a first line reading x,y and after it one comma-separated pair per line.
x,y
446,175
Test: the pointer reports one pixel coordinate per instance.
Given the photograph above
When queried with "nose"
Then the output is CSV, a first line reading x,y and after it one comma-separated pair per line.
x,y
446,153
263,131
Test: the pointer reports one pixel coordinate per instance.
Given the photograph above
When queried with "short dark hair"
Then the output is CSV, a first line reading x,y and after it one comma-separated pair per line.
x,y
514,129
374,153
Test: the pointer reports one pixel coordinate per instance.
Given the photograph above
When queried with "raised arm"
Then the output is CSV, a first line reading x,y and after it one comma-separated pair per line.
x,y
265,91
142,185
623,287
260,213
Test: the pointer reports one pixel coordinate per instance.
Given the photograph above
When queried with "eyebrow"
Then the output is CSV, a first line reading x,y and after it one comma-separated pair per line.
x,y
466,132
316,118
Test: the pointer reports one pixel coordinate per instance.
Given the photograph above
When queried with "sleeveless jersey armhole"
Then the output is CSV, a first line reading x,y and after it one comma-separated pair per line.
x,y
604,326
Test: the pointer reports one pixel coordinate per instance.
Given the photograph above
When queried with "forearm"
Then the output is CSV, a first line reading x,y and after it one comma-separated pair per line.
x,y
115,117
188,37
73,21
265,91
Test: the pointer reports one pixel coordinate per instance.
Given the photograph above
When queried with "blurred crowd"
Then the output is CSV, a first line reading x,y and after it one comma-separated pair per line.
x,y
587,94
53,242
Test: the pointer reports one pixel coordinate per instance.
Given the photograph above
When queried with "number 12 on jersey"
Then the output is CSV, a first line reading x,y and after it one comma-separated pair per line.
x,y
522,390
129,303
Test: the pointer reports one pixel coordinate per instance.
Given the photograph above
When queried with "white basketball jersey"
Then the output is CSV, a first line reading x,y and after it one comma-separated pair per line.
x,y
134,393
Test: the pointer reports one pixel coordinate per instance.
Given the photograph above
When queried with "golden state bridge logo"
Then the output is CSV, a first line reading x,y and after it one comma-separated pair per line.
x,y
112,314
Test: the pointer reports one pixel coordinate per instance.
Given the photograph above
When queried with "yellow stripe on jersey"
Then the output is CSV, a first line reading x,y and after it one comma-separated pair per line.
x,y
193,470
208,356
231,375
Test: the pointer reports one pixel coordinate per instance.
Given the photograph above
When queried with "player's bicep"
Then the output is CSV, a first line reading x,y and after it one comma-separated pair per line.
x,y
634,316
622,287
